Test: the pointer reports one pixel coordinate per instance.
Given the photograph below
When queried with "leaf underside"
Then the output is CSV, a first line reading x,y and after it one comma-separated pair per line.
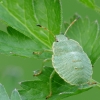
x,y
87,34
39,89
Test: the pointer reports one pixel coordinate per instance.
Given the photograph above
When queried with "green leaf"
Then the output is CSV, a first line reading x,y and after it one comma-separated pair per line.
x,y
39,89
91,4
88,35
3,93
15,43
15,95
4,96
24,15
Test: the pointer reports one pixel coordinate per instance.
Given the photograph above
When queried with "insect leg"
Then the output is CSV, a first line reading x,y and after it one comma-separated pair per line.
x,y
40,71
71,25
50,84
40,52
50,32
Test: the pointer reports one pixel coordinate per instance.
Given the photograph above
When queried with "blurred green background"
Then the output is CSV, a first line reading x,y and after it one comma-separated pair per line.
x,y
14,69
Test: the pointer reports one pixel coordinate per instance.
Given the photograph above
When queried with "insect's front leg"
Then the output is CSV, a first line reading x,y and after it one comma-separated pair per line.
x,y
50,84
40,52
36,73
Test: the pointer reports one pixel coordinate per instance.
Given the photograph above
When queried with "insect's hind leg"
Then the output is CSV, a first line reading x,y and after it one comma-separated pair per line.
x,y
40,71
50,84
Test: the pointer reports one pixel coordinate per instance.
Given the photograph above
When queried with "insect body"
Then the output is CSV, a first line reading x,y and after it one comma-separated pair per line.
x,y
70,61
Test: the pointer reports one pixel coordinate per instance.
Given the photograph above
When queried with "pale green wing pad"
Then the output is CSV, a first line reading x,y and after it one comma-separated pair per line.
x,y
71,62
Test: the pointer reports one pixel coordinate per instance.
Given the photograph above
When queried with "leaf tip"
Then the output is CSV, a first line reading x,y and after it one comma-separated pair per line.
x,y
15,89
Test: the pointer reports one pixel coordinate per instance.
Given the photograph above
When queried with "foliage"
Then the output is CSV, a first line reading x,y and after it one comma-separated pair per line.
x,y
91,4
23,37
87,34
24,17
61,89
3,94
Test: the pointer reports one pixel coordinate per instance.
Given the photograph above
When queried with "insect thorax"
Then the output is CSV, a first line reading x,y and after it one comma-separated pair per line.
x,y
60,38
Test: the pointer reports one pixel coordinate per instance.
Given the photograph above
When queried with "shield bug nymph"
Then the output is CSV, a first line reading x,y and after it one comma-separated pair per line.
x,y
69,60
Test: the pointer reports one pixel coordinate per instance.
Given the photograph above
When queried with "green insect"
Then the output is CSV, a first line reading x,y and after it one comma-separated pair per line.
x,y
70,61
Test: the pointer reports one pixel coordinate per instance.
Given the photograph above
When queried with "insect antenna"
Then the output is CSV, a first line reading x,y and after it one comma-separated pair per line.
x,y
47,30
71,25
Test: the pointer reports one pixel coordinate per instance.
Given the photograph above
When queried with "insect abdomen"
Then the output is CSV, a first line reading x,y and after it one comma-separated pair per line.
x,y
71,63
